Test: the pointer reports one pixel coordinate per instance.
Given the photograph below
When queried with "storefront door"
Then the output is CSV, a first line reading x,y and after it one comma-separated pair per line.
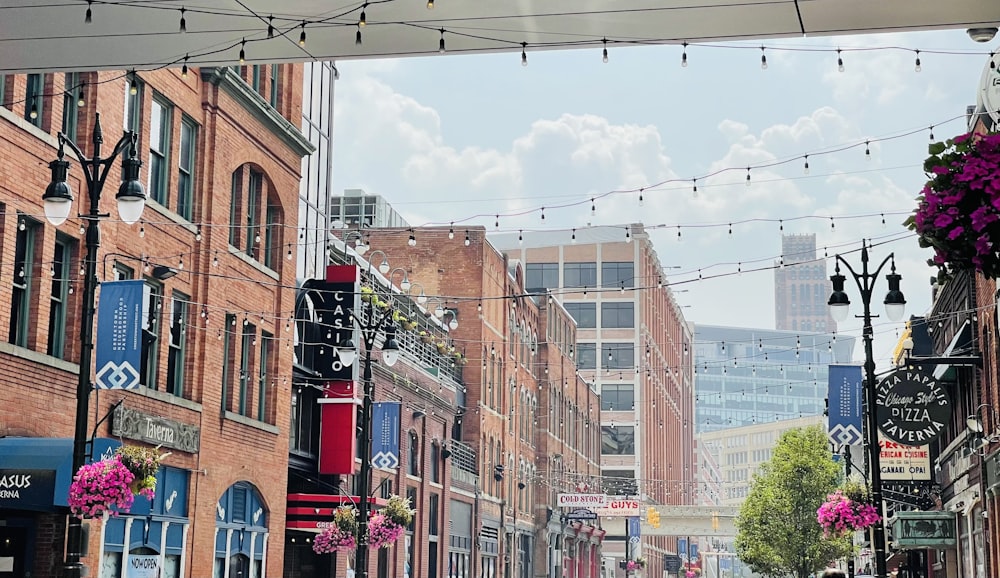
x,y
13,552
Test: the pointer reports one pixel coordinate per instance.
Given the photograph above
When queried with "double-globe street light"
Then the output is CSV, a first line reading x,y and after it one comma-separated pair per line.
x,y
58,199
895,305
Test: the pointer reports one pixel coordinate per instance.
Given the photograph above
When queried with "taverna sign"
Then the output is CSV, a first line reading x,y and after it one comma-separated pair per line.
x,y
912,407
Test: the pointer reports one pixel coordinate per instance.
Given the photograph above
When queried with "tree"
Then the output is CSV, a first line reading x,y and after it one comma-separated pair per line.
x,y
778,534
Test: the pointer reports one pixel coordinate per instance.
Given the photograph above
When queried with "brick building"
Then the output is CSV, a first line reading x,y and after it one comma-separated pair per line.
x,y
635,346
221,168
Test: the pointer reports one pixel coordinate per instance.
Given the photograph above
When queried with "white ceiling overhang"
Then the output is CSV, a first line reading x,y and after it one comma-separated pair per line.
x,y
51,35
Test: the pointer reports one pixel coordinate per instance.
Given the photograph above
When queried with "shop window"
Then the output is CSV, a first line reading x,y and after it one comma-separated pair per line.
x,y
23,286
59,296
159,148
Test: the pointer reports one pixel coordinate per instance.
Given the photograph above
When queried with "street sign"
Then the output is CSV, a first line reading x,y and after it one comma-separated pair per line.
x,y
582,500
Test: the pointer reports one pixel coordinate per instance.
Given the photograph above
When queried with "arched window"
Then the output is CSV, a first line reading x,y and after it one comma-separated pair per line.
x,y
255,216
241,531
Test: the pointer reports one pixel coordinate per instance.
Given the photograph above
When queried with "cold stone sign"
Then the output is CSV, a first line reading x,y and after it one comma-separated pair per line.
x,y
912,407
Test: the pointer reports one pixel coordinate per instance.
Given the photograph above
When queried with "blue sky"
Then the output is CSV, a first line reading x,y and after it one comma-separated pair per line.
x,y
449,137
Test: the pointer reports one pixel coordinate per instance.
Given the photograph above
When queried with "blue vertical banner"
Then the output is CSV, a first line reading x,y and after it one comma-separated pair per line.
x,y
682,548
844,397
694,552
634,527
385,434
119,335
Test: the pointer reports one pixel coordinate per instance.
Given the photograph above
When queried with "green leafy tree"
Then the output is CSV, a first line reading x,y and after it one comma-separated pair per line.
x,y
778,534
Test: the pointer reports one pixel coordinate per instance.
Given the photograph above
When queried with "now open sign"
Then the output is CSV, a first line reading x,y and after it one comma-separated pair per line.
x,y
142,566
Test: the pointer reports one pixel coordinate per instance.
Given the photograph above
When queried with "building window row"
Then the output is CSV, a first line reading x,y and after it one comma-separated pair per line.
x,y
614,274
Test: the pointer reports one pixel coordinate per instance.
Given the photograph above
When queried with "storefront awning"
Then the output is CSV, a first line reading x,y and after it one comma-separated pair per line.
x,y
960,342
35,473
310,512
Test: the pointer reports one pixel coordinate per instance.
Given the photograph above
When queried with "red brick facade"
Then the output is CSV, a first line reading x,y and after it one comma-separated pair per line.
x,y
242,441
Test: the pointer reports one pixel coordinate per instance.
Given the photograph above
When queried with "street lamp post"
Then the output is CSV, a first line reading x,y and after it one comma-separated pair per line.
x,y
894,307
58,199
377,321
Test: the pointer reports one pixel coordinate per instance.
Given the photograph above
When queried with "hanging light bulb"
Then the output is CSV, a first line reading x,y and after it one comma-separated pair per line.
x,y
243,52
183,26
89,16
868,152
524,54
441,48
467,240
684,55
840,62
748,176
916,63
81,98
763,59
270,26
133,87
34,109
363,20
184,69
302,35
805,166
430,4
605,55
357,37
451,231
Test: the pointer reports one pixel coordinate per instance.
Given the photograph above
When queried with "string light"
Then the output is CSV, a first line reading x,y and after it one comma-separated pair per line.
x,y
270,26
430,4
805,167
916,63
302,35
694,186
89,16
363,20
524,54
243,53
840,62
451,231
441,48
868,151
605,55
357,36
748,176
684,55
184,69
133,87
34,109
931,128
81,99
763,59
183,26
467,240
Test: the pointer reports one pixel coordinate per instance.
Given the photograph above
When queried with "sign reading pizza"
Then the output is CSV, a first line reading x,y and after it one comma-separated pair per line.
x,y
912,407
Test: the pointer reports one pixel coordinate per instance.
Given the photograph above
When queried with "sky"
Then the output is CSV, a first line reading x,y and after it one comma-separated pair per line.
x,y
462,138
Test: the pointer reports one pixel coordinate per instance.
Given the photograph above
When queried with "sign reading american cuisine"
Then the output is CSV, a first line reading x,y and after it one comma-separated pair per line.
x,y
912,407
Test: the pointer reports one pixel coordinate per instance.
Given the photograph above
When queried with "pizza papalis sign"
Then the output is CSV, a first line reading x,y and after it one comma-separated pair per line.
x,y
913,408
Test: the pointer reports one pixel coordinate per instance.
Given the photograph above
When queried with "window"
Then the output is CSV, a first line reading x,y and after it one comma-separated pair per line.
x,y
159,146
152,293
177,347
433,505
411,495
71,94
618,356
229,357
617,274
617,397
619,482
133,104
123,272
413,465
246,354
617,314
3,89
24,274
34,99
185,169
436,463
586,356
580,275
585,314
263,379
236,192
541,276
256,77
253,213
274,86
58,296
271,231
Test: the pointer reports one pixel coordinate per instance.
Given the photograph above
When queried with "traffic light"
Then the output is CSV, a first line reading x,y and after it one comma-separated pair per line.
x,y
715,521
653,517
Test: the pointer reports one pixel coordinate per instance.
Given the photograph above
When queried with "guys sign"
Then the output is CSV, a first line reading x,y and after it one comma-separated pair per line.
x,y
912,407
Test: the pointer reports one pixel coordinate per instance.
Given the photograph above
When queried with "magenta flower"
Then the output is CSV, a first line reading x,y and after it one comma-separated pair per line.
x,y
101,487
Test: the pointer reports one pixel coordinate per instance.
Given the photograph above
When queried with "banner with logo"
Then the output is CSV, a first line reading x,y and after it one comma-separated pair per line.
x,y
844,395
682,548
385,434
119,335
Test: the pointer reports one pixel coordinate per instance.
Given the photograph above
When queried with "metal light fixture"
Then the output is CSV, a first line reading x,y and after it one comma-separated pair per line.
x,y
840,303
347,353
390,348
895,303
163,272
58,197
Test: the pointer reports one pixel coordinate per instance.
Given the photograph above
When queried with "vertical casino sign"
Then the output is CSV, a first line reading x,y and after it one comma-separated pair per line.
x,y
913,408
339,296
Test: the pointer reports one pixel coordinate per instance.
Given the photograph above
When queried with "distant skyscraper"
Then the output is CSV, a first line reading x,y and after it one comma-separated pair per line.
x,y
801,287
745,377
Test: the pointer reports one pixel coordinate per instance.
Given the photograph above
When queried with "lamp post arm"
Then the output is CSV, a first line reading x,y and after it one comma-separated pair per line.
x,y
128,139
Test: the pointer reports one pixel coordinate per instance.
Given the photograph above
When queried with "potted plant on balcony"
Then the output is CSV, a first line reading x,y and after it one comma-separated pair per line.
x,y
958,212
101,487
340,534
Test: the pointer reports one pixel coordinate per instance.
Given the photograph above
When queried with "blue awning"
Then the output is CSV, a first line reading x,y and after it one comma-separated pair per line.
x,y
35,473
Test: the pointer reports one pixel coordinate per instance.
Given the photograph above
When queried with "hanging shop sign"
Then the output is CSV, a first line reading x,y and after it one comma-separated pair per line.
x,y
912,407
924,529
23,489
156,430
583,500
900,462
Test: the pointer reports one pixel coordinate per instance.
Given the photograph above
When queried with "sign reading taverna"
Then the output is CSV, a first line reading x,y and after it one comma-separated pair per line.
x,y
912,407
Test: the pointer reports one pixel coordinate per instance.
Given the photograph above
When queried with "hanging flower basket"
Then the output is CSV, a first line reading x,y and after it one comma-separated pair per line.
x,y
143,463
340,534
101,487
387,525
958,212
425,337
847,510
